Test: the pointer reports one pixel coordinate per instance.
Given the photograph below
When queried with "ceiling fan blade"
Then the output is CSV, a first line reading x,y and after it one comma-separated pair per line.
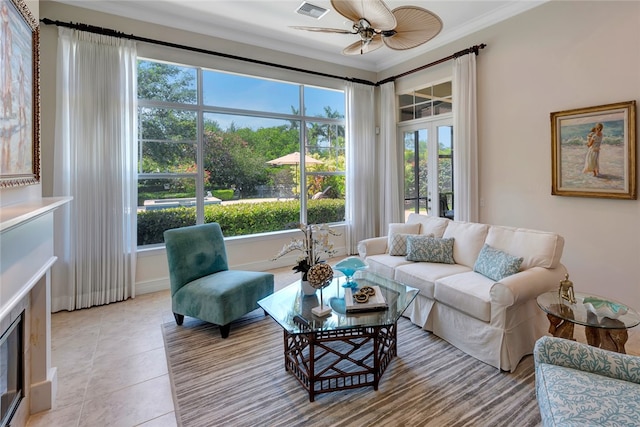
x,y
324,30
359,48
415,27
374,11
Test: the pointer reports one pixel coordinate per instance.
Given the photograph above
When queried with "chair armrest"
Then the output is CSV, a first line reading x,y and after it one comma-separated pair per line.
x,y
373,246
526,285
583,357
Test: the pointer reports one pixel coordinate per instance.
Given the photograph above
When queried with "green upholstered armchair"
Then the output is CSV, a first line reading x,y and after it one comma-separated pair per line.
x,y
202,286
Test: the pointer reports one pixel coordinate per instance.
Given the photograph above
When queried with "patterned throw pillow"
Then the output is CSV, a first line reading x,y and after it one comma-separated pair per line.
x,y
496,264
397,241
430,249
398,244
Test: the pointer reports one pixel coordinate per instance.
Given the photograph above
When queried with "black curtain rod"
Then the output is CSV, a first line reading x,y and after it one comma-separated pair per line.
x,y
119,34
474,49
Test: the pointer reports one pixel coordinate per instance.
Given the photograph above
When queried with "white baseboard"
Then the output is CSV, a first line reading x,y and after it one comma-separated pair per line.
x,y
162,284
150,286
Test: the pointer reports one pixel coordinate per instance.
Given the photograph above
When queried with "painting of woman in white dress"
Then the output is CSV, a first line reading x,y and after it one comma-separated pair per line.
x,y
594,141
607,167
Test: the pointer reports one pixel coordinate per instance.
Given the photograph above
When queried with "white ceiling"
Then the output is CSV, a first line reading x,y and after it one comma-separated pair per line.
x,y
265,23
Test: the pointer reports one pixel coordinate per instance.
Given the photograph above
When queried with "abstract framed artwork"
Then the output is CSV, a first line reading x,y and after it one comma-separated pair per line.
x,y
593,151
20,76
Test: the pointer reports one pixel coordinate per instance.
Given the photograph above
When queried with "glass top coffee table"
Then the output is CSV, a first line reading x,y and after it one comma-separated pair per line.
x,y
342,350
606,321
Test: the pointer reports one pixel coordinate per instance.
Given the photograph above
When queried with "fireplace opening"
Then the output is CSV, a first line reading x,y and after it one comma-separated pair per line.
x,y
11,370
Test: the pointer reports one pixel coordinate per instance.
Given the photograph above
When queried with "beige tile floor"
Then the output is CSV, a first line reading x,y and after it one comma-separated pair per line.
x,y
112,368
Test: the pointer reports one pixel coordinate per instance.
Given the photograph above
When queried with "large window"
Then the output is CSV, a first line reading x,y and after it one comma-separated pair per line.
x,y
216,146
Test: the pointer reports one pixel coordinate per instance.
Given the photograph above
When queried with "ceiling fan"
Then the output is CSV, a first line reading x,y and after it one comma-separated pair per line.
x,y
402,28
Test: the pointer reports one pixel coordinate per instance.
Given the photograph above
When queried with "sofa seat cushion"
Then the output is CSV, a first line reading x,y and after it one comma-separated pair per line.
x,y
385,264
468,292
422,275
571,397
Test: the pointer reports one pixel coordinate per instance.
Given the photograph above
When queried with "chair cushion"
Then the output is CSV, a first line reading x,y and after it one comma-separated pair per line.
x,y
570,397
193,252
223,297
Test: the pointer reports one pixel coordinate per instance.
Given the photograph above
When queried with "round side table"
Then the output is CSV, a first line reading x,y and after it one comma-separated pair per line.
x,y
601,331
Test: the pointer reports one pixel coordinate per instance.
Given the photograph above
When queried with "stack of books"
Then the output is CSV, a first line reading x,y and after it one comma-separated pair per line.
x,y
375,301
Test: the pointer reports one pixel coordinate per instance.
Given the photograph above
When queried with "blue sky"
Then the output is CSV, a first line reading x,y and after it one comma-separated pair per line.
x,y
241,92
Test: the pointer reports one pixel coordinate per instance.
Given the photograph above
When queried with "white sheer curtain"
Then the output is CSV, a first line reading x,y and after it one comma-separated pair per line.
x,y
391,162
361,165
95,163
465,141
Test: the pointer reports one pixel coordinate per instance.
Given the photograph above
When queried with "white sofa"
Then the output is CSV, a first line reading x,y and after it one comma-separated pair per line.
x,y
497,322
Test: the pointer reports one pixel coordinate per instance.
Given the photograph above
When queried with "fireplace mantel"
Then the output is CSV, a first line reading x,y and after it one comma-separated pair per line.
x,y
26,257
14,215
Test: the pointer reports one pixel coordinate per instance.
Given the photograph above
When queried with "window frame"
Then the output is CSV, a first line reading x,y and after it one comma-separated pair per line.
x,y
201,110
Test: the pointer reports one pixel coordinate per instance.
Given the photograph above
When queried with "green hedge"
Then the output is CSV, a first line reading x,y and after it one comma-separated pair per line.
x,y
238,219
223,194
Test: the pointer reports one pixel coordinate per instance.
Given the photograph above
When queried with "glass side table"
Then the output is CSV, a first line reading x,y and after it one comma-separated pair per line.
x,y
601,331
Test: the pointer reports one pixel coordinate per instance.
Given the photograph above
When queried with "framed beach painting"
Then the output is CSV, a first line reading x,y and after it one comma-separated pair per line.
x,y
19,73
593,151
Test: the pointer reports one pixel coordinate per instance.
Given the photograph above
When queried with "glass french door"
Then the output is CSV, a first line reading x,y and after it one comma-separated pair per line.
x,y
428,168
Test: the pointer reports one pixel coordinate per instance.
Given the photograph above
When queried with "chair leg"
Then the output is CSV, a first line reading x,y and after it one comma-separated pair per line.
x,y
224,330
179,318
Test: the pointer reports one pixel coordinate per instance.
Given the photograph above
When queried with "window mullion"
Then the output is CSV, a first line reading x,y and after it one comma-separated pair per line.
x,y
303,151
200,154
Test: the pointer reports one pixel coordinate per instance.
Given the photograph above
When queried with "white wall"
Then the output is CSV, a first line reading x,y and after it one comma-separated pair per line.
x,y
558,56
555,57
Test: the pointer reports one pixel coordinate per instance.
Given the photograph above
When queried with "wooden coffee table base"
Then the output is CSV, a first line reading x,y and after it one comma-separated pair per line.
x,y
326,361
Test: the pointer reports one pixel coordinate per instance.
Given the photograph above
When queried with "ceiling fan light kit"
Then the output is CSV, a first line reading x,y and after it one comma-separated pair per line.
x,y
402,28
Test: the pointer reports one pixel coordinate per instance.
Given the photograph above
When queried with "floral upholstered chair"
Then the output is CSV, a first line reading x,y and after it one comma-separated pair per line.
x,y
581,385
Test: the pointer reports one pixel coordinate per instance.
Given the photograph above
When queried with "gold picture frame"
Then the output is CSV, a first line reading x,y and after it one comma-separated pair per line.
x,y
20,76
593,151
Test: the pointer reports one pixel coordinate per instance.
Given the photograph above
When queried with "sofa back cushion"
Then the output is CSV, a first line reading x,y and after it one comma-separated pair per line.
x,y
398,232
469,238
537,248
429,224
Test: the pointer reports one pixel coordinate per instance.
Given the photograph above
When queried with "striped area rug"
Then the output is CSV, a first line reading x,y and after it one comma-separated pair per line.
x,y
241,381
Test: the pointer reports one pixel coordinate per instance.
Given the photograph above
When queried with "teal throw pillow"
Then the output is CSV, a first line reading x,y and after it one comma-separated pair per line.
x,y
430,249
496,264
